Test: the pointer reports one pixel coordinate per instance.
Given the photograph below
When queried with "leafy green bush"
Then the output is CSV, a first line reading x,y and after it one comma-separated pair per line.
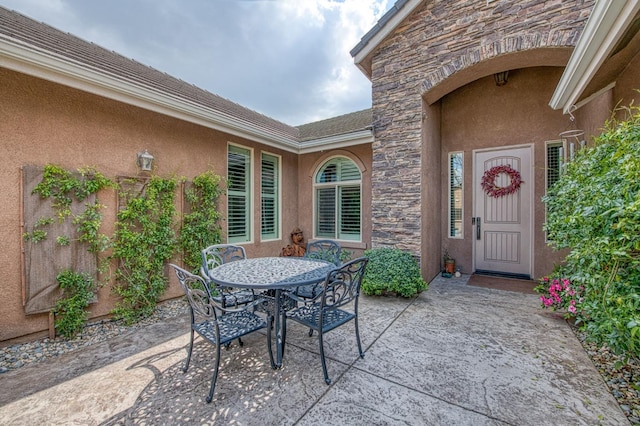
x,y
594,210
392,271
70,311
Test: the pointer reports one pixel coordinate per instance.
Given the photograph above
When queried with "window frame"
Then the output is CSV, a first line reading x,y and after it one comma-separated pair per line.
x,y
451,195
562,154
247,237
338,186
277,197
559,143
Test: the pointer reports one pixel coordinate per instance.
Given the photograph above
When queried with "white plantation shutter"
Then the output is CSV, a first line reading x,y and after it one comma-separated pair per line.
x,y
238,194
338,186
326,212
270,197
349,213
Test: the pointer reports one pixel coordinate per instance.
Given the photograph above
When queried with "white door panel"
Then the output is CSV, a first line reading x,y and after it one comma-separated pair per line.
x,y
503,236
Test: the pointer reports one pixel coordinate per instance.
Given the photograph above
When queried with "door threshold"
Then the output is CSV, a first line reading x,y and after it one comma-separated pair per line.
x,y
503,274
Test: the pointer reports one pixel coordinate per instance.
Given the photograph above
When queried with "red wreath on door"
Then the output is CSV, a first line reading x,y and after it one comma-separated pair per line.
x,y
489,181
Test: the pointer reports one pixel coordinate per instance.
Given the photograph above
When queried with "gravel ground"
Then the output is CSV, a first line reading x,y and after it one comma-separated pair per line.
x,y
623,381
19,355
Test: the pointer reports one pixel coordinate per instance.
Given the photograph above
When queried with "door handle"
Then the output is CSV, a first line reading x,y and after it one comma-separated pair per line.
x,y
478,228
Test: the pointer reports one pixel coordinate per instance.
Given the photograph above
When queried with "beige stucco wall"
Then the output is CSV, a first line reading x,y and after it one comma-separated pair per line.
x,y
43,123
483,115
431,201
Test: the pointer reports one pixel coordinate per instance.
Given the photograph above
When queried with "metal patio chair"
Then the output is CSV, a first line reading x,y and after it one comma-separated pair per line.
x,y
334,306
327,250
216,255
215,323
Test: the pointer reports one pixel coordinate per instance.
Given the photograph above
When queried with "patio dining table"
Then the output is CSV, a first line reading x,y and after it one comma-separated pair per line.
x,y
272,273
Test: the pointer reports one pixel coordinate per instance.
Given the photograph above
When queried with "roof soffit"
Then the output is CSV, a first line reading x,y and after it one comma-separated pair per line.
x,y
606,25
614,65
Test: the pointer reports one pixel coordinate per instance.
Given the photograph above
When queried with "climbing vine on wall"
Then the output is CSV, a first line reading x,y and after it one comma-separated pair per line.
x,y
64,188
144,241
70,312
201,226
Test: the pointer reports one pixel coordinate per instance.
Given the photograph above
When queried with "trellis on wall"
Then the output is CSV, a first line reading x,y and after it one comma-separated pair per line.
x,y
44,258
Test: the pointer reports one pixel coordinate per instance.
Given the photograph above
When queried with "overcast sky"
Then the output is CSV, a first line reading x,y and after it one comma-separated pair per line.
x,y
287,59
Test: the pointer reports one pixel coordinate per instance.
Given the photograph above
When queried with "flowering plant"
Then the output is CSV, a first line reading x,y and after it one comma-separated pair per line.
x,y
561,295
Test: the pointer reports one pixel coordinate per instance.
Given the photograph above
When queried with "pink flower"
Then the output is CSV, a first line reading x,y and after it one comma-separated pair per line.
x,y
559,293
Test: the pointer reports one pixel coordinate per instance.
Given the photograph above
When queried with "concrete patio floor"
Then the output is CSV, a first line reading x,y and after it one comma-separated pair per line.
x,y
457,354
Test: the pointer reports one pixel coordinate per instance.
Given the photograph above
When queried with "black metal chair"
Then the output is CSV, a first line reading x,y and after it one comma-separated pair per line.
x,y
327,250
330,308
216,255
215,323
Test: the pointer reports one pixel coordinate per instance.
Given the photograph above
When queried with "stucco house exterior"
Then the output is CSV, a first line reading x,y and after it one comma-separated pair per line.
x,y
459,88
71,103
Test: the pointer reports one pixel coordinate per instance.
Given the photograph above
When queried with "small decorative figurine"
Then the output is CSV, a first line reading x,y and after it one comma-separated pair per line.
x,y
297,247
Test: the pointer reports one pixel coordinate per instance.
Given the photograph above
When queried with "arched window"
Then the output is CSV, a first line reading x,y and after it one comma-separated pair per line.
x,y
337,191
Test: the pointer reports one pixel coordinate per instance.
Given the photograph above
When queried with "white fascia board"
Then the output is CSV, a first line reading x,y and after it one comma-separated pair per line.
x,y
30,61
606,24
337,142
385,30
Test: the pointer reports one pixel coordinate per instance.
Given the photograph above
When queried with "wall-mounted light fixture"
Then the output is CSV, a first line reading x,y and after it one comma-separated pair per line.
x,y
145,161
501,78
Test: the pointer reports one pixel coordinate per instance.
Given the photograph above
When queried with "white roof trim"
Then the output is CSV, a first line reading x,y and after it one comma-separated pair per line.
x,y
607,23
29,60
336,142
381,32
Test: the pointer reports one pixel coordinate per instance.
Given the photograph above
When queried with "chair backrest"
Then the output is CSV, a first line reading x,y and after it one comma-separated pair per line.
x,y
217,254
201,304
343,283
327,250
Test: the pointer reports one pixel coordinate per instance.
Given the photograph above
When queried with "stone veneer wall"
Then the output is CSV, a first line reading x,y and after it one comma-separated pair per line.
x,y
437,40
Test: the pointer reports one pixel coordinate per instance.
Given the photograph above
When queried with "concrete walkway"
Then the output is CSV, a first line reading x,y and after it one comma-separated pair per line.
x,y
455,355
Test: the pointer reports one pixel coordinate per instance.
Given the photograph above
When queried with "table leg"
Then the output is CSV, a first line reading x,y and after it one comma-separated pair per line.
x,y
277,316
278,328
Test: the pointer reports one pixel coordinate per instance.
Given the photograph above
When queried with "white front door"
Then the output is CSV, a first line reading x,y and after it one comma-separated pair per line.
x,y
502,235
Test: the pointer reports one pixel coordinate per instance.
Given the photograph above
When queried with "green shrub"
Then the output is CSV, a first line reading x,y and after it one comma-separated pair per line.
x,y
392,271
71,311
594,210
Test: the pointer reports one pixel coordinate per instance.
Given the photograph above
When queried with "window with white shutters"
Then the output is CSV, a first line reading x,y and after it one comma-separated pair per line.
x,y
270,197
338,200
238,194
